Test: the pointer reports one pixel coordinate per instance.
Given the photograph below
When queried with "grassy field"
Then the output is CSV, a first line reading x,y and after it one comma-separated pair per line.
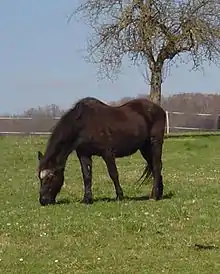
x,y
180,234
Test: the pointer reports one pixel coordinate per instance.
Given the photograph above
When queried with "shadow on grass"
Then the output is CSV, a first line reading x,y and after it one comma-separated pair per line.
x,y
205,247
63,202
167,196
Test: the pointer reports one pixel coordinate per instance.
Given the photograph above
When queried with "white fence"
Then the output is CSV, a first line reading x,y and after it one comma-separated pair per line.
x,y
215,122
10,125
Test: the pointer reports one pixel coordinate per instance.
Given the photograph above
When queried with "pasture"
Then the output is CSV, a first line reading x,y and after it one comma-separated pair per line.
x,y
180,234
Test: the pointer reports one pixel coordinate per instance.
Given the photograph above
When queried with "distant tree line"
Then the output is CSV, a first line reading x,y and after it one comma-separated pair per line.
x,y
184,102
188,103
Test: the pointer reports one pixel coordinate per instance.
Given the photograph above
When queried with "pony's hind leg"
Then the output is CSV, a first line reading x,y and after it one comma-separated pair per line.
x,y
113,173
86,168
156,149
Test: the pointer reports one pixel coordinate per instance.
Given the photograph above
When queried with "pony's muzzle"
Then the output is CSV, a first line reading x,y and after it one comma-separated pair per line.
x,y
46,201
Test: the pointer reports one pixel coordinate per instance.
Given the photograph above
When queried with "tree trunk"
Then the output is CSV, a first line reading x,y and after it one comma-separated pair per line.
x,y
155,83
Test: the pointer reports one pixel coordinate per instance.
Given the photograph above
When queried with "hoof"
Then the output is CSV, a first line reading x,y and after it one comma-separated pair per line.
x,y
152,198
119,197
87,201
156,194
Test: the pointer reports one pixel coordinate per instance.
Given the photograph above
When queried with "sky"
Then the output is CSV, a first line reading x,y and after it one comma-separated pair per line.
x,y
41,61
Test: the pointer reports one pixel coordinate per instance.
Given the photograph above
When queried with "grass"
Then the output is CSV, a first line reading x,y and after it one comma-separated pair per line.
x,y
192,134
180,234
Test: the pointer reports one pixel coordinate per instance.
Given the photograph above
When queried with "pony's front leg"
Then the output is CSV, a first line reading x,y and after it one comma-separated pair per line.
x,y
157,190
86,168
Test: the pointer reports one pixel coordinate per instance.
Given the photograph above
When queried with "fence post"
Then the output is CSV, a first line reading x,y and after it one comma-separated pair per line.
x,y
168,122
217,122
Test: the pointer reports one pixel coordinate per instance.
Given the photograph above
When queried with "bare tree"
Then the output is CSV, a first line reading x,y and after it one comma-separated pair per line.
x,y
156,33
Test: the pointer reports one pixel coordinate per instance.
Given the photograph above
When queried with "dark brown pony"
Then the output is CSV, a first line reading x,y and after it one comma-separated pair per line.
x,y
94,128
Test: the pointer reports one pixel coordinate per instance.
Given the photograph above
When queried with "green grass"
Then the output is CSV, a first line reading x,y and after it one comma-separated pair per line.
x,y
192,134
132,236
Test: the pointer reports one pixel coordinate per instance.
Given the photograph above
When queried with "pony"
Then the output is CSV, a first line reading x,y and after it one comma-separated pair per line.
x,y
92,127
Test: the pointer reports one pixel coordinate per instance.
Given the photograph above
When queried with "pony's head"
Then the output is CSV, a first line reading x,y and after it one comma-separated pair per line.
x,y
51,181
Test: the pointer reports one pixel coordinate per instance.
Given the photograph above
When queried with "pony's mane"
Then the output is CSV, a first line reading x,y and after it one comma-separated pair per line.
x,y
59,131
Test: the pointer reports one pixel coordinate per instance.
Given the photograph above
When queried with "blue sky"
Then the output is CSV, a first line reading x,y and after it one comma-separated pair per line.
x,y
41,61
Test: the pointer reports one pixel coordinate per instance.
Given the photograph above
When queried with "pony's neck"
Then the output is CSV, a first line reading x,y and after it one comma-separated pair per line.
x,y
57,157
61,143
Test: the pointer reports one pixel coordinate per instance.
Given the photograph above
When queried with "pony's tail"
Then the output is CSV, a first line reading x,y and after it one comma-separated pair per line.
x,y
146,175
148,170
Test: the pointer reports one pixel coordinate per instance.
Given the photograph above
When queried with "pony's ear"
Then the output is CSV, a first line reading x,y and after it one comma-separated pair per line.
x,y
40,155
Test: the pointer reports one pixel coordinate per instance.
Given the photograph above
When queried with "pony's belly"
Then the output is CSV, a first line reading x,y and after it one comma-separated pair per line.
x,y
120,149
126,149
124,153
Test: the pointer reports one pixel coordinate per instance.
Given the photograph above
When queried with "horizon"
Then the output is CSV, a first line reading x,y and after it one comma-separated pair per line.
x,y
42,62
